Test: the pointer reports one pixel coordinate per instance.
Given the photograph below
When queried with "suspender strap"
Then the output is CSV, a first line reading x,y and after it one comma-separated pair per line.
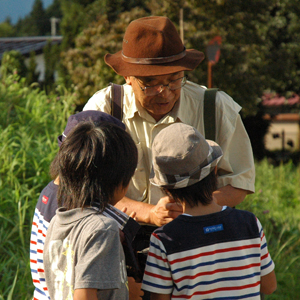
x,y
210,113
117,101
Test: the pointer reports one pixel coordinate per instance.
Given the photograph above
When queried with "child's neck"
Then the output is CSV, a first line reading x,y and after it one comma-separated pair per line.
x,y
201,210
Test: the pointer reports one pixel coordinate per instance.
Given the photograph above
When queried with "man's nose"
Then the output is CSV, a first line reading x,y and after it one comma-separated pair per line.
x,y
165,91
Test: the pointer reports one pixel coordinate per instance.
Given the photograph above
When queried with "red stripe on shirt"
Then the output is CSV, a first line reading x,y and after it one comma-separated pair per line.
x,y
217,271
214,252
219,290
158,276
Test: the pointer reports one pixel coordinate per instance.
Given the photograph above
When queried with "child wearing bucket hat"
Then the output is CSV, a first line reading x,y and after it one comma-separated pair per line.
x,y
210,251
153,61
47,205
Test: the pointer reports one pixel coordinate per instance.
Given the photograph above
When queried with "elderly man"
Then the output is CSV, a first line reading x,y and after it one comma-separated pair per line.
x,y
156,94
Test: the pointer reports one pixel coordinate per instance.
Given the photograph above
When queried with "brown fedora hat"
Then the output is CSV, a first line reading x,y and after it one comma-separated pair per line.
x,y
152,47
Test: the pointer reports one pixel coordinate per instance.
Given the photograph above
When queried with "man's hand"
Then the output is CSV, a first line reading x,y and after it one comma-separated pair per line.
x,y
164,211
135,291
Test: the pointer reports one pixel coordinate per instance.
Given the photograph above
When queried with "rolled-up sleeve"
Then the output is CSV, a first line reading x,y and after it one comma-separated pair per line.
x,y
237,164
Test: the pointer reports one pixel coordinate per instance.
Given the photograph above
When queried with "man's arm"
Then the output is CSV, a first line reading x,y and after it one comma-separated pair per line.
x,y
268,283
229,195
162,213
85,294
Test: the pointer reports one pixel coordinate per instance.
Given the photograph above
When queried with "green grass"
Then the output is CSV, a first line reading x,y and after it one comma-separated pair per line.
x,y
277,205
30,122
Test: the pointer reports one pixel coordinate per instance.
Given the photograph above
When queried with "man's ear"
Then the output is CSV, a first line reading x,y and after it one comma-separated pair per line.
x,y
128,79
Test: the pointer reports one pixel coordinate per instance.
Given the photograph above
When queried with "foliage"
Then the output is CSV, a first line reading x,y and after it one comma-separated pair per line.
x,y
12,62
276,203
85,63
79,14
30,121
7,29
260,45
51,57
32,75
259,51
38,23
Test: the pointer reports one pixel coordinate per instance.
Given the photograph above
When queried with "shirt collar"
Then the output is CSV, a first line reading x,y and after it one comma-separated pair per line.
x,y
135,108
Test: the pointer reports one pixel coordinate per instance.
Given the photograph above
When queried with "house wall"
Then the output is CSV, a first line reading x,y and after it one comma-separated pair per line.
x,y
39,59
287,123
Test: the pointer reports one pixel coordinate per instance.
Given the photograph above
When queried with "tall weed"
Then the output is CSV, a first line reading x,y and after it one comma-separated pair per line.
x,y
277,204
30,121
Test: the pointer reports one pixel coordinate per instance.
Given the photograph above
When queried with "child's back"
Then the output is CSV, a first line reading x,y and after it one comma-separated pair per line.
x,y
223,254
86,244
83,255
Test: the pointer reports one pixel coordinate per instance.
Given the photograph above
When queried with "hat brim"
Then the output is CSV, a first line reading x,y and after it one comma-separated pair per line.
x,y
188,63
177,181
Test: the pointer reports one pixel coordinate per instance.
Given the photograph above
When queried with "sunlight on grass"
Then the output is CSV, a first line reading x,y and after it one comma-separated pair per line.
x,y
30,122
277,204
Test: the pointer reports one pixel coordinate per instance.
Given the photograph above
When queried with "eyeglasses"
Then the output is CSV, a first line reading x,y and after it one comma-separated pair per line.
x,y
157,89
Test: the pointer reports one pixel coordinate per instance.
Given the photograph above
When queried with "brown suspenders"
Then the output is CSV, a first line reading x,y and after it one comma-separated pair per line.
x,y
210,113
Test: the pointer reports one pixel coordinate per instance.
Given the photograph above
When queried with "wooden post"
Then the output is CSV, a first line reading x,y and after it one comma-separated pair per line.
x,y
209,76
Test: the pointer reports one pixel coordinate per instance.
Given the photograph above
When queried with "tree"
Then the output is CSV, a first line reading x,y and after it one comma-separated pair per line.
x,y
32,75
85,63
259,51
77,15
6,28
12,62
36,24
51,56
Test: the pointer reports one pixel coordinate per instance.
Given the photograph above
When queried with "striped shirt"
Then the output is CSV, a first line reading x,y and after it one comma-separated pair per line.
x,y
217,256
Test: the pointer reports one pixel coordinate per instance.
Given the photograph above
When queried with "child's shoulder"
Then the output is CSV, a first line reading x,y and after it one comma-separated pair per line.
x,y
92,220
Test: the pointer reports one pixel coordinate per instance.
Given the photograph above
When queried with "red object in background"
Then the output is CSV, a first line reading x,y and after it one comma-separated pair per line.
x,y
213,49
213,54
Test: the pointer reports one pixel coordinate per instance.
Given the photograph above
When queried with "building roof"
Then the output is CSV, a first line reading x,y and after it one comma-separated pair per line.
x,y
25,45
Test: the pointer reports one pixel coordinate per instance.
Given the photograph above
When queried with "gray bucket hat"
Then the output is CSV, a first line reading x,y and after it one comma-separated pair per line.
x,y
182,157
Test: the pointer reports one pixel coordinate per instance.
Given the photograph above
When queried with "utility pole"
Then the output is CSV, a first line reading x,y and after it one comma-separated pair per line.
x,y
181,24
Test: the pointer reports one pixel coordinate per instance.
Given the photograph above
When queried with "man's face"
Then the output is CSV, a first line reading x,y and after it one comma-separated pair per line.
x,y
158,105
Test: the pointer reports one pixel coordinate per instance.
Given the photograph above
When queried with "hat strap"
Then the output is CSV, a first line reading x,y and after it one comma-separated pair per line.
x,y
155,60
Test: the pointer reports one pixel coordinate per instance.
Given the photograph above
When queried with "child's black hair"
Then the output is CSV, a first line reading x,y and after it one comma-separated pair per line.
x,y
94,160
200,192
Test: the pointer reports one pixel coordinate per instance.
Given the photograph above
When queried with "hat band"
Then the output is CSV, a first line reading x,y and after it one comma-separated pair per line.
x,y
153,61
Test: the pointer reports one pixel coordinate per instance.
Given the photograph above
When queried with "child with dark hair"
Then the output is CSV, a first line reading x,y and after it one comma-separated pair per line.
x,y
210,251
83,255
47,205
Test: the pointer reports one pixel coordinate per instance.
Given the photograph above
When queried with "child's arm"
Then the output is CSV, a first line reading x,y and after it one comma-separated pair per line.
x,y
268,283
85,294
155,296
